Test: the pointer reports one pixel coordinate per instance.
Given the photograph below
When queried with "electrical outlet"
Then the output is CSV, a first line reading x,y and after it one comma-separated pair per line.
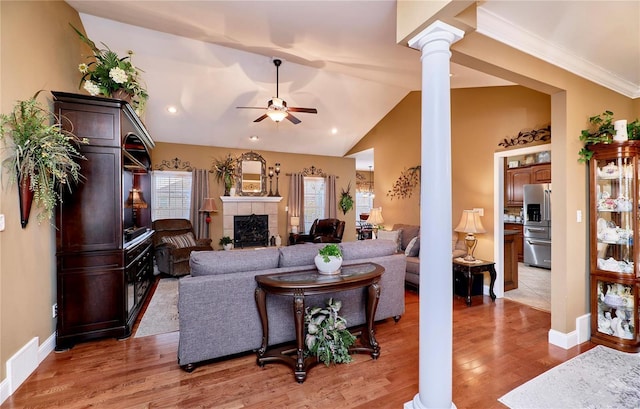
x,y
480,211
54,310
1,222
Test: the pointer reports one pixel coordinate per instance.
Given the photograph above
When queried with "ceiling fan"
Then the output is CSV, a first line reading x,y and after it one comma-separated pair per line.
x,y
277,108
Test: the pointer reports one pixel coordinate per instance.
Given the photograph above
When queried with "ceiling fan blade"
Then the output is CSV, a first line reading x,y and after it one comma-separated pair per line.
x,y
261,118
250,107
293,119
307,110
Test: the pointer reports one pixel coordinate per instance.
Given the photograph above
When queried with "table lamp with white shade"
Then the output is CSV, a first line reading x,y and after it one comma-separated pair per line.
x,y
375,218
470,223
294,222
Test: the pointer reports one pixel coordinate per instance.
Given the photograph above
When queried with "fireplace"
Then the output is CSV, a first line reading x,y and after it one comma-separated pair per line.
x,y
251,230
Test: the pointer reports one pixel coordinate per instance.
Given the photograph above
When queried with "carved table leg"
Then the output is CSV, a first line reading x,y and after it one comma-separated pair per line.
x,y
298,311
469,276
369,337
261,298
492,273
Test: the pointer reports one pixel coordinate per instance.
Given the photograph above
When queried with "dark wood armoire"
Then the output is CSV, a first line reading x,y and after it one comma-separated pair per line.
x,y
103,237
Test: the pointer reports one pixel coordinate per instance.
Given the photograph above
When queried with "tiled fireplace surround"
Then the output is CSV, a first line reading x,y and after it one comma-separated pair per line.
x,y
246,206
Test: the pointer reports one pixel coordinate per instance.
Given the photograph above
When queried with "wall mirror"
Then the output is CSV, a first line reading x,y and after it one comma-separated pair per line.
x,y
251,175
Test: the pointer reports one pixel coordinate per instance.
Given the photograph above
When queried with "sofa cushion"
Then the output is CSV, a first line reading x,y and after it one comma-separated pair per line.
x,y
233,261
181,240
393,235
413,249
409,231
299,255
365,249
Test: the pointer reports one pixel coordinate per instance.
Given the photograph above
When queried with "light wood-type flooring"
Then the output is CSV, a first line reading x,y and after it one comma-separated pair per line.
x,y
497,346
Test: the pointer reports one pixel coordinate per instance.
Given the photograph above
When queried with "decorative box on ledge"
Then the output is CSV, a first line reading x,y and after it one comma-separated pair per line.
x,y
247,205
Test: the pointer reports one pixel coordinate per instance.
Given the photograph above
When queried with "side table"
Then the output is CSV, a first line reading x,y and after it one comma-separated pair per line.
x,y
475,267
298,284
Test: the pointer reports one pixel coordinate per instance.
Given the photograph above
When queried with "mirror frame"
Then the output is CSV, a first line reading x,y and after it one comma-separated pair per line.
x,y
251,157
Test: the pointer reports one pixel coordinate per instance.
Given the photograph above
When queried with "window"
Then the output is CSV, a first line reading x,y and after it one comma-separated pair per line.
x,y
313,201
171,195
364,203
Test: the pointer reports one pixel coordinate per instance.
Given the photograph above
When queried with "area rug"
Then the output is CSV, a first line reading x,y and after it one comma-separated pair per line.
x,y
599,378
161,315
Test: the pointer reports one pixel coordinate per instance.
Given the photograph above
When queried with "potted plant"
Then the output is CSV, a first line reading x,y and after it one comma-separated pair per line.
x,y
329,259
41,155
224,170
602,130
226,242
328,338
346,200
112,76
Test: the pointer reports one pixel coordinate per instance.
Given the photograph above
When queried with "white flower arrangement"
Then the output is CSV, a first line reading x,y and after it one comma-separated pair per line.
x,y
108,74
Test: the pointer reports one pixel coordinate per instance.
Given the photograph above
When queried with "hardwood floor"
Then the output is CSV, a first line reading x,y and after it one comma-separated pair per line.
x,y
497,346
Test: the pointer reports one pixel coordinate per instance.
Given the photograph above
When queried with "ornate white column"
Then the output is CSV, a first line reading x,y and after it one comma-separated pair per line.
x,y
436,282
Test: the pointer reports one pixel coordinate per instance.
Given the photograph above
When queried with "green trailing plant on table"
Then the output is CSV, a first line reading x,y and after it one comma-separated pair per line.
x,y
330,250
328,338
40,153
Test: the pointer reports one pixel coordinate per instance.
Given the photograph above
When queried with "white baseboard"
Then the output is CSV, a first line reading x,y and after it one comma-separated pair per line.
x,y
573,338
23,363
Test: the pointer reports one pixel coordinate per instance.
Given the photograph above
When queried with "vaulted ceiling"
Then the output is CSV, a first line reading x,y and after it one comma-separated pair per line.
x,y
207,57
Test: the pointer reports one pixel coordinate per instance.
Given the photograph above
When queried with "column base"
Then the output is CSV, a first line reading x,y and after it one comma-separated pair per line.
x,y
416,404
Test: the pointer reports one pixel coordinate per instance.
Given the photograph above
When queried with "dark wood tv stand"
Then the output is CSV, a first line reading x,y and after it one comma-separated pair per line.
x,y
103,275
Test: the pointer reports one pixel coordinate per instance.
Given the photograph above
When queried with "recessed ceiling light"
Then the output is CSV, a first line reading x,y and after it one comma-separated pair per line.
x,y
334,130
172,110
254,138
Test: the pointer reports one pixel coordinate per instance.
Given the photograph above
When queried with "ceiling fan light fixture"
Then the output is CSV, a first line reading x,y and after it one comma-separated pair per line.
x,y
277,115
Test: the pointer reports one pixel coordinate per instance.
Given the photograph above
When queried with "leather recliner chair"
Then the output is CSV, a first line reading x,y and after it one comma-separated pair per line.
x,y
173,243
323,231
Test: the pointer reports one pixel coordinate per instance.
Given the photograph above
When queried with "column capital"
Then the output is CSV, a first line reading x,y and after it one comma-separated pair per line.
x,y
436,31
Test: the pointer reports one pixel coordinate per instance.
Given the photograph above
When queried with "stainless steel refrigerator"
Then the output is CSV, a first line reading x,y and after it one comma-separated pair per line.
x,y
537,225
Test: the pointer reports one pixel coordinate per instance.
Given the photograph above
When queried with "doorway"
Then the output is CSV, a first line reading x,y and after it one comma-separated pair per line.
x,y
534,284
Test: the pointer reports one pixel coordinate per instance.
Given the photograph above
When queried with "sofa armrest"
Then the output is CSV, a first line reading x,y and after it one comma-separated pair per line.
x,y
164,257
203,243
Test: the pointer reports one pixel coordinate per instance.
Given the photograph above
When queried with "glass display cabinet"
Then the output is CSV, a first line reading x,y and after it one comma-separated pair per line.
x,y
613,229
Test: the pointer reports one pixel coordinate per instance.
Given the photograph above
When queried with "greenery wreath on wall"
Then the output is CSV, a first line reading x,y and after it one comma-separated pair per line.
x,y
346,200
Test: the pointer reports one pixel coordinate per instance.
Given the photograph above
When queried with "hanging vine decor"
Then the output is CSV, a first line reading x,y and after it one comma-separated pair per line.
x,y
346,200
175,164
404,185
527,137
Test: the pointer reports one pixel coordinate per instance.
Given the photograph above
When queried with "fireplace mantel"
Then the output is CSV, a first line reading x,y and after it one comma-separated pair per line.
x,y
244,199
246,206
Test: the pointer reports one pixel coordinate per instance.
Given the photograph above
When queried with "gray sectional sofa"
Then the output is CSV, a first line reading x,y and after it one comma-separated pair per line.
x,y
409,231
217,309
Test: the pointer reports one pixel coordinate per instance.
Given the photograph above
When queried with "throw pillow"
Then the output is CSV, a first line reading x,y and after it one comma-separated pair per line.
x,y
413,248
181,240
393,235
